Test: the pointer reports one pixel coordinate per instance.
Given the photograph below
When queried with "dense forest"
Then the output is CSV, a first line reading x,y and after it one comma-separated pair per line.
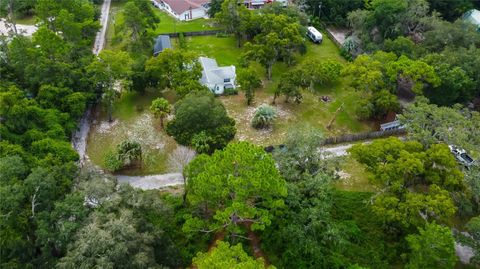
x,y
240,206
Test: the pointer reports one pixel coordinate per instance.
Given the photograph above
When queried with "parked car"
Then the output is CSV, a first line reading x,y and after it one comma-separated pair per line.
x,y
461,155
314,35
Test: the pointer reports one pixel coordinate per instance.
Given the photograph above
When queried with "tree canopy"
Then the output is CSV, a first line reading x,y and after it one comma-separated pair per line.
x,y
233,188
226,256
433,247
415,183
200,112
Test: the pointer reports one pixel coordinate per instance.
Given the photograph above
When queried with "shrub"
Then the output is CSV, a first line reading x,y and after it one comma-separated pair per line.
x,y
182,42
230,91
127,153
222,35
264,116
112,161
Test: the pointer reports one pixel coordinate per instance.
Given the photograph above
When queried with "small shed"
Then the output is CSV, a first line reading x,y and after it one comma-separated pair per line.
x,y
473,16
162,42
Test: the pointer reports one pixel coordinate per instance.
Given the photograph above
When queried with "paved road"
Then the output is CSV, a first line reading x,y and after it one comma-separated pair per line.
x,y
100,38
22,29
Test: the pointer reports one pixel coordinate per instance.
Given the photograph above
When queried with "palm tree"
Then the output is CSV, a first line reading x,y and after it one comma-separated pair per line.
x,y
160,109
130,152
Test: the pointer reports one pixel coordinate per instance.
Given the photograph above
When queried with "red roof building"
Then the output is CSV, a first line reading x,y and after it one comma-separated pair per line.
x,y
184,10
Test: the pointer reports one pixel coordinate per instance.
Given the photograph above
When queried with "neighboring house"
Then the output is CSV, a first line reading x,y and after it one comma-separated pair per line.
x,y
217,78
257,4
184,10
162,42
473,16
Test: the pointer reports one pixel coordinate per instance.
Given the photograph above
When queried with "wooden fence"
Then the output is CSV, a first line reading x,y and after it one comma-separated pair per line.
x,y
196,33
332,37
363,136
350,138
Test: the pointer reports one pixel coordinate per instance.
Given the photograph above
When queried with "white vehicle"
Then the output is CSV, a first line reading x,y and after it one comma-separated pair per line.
x,y
461,155
314,35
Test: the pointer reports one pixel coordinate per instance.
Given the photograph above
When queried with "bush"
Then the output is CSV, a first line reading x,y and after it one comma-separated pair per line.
x,y
112,161
127,153
346,55
230,91
182,42
264,116
222,35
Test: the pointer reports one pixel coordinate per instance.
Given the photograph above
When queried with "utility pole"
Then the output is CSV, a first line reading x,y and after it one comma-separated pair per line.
x,y
319,9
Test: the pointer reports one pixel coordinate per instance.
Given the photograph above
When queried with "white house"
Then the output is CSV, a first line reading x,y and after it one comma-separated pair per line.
x,y
184,10
217,78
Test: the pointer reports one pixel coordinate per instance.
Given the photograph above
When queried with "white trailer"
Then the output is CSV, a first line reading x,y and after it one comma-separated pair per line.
x,y
314,34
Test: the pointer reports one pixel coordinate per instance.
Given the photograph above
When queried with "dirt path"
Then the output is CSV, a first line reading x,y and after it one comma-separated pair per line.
x,y
79,138
337,151
153,181
100,38
175,179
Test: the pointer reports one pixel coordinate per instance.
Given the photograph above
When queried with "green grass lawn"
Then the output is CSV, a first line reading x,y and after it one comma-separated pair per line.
x,y
27,20
312,110
353,176
114,18
169,24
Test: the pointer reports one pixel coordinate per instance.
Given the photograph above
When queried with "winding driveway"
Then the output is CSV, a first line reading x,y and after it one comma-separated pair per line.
x,y
175,179
79,138
100,38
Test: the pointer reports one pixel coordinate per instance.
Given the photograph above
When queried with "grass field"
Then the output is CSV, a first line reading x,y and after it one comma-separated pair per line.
x,y
28,20
113,18
354,177
312,110
168,24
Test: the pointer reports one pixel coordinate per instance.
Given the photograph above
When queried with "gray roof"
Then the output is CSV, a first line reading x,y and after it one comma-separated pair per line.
x,y
473,16
212,73
162,42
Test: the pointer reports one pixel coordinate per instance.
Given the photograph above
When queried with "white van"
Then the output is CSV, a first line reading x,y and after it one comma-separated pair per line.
x,y
314,35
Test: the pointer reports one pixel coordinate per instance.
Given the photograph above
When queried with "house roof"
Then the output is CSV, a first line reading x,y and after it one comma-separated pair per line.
x,y
180,6
212,73
473,16
162,42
